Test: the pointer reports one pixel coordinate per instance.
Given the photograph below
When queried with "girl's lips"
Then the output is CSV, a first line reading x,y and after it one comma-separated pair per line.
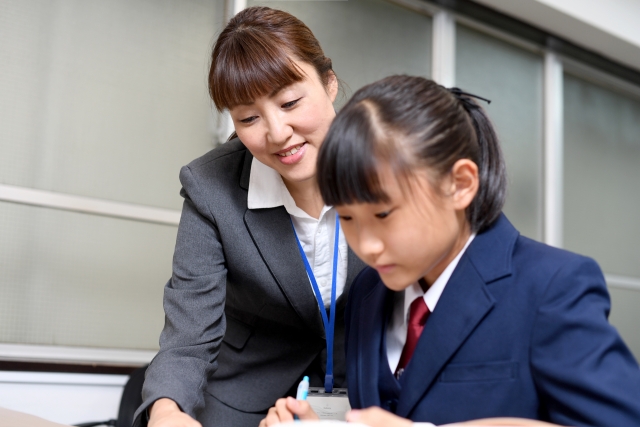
x,y
288,158
383,269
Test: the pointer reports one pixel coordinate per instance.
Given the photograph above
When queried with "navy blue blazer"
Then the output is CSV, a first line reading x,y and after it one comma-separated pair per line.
x,y
520,330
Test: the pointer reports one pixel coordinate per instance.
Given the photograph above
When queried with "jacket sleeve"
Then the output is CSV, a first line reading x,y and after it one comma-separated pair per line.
x,y
584,372
194,301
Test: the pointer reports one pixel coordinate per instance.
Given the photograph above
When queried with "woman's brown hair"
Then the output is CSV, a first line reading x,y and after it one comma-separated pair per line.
x,y
410,123
254,56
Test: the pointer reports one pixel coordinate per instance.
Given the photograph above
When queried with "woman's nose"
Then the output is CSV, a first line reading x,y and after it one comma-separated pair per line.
x,y
278,129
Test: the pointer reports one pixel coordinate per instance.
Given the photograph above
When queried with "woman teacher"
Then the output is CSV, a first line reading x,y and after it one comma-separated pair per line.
x,y
243,321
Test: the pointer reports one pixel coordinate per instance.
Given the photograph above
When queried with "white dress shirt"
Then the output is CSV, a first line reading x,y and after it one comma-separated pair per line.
x,y
397,327
267,190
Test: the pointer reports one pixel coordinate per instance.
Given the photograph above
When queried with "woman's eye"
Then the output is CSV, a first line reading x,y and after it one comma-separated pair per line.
x,y
248,119
383,215
291,103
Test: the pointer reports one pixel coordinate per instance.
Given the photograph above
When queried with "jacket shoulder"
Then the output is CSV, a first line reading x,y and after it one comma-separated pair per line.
x,y
220,153
533,254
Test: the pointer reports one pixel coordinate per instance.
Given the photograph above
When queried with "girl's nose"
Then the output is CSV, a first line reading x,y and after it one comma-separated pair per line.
x,y
371,246
278,130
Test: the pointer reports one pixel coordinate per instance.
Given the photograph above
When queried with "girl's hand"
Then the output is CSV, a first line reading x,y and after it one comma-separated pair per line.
x,y
376,417
285,409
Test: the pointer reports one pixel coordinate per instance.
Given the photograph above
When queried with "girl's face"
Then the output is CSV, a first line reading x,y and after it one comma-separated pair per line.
x,y
419,232
284,130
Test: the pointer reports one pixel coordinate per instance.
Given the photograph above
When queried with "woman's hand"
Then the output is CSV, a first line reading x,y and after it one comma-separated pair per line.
x,y
166,413
376,417
285,409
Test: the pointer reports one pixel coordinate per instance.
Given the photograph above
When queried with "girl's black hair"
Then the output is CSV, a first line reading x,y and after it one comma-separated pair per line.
x,y
410,122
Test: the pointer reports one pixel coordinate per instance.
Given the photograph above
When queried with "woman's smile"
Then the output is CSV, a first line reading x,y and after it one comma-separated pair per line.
x,y
293,154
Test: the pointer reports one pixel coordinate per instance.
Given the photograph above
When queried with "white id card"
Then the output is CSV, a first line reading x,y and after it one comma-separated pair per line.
x,y
329,406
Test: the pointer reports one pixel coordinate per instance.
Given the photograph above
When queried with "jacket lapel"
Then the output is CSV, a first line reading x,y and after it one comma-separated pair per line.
x,y
370,330
281,255
453,319
465,301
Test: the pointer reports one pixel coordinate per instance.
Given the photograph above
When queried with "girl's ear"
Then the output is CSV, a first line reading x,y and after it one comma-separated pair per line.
x,y
464,183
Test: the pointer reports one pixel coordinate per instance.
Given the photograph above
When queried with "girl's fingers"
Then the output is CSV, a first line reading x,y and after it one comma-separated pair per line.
x,y
272,418
376,417
301,408
284,410
284,414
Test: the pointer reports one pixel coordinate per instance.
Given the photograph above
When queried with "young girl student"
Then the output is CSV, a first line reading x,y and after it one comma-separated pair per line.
x,y
459,317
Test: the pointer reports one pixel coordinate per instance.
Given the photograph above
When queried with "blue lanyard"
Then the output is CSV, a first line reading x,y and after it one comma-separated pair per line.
x,y
329,324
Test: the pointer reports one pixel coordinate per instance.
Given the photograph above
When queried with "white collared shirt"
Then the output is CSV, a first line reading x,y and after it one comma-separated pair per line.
x,y
267,190
397,327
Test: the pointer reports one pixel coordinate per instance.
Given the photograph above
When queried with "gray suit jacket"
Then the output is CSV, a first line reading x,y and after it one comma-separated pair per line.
x,y
241,319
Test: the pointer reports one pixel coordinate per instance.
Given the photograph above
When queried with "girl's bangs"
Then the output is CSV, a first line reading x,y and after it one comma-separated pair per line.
x,y
253,68
348,164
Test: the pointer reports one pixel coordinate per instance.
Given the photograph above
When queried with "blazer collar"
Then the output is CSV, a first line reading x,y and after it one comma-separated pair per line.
x,y
465,302
491,251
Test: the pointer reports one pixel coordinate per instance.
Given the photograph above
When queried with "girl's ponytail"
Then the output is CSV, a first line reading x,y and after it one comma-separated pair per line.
x,y
488,203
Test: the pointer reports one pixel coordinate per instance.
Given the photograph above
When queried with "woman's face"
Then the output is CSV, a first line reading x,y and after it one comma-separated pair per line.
x,y
284,130
418,233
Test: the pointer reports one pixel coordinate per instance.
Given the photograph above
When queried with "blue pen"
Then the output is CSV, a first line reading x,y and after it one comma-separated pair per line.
x,y
303,390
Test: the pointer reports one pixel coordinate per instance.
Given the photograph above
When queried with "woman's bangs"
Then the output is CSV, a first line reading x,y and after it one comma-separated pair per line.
x,y
347,164
253,68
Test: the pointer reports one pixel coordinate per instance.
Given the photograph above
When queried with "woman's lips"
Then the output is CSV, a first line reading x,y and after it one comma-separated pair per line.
x,y
292,155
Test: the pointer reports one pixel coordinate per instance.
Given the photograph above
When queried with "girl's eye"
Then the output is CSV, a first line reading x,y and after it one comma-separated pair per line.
x,y
249,119
345,217
291,103
383,215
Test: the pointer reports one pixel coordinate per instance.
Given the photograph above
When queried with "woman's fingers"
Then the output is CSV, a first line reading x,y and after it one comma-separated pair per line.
x,y
376,417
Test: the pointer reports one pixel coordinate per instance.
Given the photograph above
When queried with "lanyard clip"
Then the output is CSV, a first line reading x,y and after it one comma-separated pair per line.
x,y
328,383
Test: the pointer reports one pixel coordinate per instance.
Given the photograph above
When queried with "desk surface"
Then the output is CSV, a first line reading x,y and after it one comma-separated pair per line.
x,y
10,418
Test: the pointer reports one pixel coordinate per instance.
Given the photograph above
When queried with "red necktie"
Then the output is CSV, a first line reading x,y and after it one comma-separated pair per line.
x,y
418,313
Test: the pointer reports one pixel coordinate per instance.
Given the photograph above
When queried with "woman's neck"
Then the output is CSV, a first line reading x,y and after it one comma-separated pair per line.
x,y
307,196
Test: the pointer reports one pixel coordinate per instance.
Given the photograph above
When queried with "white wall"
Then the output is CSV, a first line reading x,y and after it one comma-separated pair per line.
x,y
62,398
609,27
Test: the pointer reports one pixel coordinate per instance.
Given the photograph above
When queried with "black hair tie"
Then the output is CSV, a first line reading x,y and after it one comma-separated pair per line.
x,y
464,97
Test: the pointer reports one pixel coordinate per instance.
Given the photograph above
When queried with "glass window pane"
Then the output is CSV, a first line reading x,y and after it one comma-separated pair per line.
x,y
624,316
601,159
601,197
105,99
511,78
72,279
366,39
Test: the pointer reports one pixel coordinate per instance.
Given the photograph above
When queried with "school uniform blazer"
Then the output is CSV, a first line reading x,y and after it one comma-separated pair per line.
x,y
241,318
520,330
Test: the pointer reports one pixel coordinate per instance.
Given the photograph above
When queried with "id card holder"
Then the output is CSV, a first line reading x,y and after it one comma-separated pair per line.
x,y
329,406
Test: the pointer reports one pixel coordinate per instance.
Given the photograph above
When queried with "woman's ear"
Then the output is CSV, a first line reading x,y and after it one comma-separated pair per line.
x,y
464,182
332,86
